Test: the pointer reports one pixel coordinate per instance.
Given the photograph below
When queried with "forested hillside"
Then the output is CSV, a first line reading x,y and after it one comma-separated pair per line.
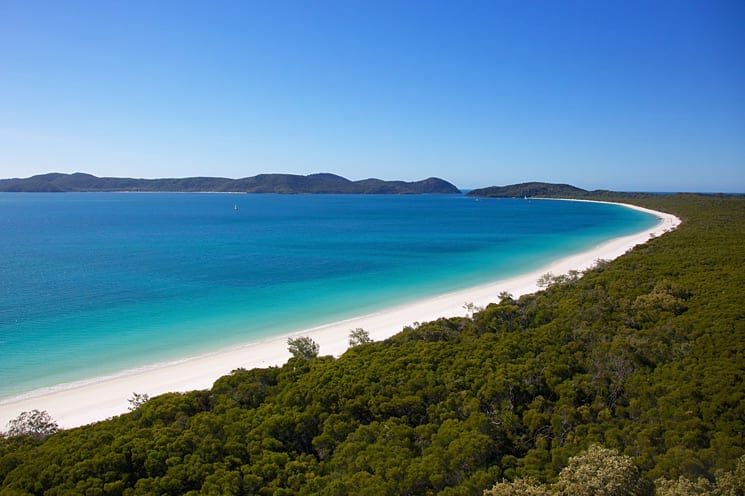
x,y
644,355
263,183
534,189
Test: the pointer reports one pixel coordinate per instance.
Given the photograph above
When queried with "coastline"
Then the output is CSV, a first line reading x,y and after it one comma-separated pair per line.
x,y
89,401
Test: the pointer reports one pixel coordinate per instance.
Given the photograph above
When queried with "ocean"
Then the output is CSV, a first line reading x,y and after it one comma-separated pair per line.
x,y
95,283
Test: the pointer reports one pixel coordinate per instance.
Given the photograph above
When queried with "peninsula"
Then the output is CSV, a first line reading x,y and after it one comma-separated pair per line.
x,y
263,183
531,189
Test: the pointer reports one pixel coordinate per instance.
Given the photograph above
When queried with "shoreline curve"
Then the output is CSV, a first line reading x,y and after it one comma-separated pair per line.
x,y
84,402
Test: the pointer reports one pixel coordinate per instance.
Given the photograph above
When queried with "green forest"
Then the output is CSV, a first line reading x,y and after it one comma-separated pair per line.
x,y
636,366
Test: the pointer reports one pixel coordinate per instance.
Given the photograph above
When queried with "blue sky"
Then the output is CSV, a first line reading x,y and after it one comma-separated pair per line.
x,y
625,95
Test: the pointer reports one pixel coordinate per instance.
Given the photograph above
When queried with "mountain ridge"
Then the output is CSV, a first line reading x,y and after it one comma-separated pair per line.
x,y
318,183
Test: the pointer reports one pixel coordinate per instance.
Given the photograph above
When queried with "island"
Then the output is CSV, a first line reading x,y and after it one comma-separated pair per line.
x,y
322,183
537,189
531,189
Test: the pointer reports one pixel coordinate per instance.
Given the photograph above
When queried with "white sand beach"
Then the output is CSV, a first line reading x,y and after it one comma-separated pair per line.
x,y
97,399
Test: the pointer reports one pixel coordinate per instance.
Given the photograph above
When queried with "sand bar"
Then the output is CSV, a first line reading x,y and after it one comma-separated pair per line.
x,y
89,401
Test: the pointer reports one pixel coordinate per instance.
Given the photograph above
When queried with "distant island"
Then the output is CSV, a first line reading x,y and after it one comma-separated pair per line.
x,y
532,189
263,183
552,190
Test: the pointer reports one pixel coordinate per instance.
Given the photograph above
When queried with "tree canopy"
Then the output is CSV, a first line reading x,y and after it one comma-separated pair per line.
x,y
644,356
303,347
34,423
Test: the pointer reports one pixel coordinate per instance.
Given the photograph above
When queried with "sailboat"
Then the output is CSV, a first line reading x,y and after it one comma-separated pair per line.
x,y
235,207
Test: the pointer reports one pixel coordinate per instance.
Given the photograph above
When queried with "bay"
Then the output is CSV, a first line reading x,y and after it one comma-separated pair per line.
x,y
95,283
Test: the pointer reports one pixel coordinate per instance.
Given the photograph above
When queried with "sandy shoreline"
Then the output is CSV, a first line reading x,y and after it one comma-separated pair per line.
x,y
89,401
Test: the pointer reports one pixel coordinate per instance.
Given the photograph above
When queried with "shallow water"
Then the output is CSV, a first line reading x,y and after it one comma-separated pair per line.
x,y
94,283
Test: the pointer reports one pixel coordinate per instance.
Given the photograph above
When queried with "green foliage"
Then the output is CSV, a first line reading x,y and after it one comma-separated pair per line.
x,y
644,355
684,487
600,472
35,423
359,336
732,483
534,189
520,487
303,348
263,183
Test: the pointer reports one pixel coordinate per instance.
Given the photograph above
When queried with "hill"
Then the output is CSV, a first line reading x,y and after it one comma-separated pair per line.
x,y
644,355
532,189
263,183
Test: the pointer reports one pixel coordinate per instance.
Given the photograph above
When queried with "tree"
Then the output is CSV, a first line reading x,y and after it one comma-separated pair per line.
x,y
137,400
506,296
545,280
520,487
469,306
600,472
684,487
35,423
359,336
601,263
733,483
303,347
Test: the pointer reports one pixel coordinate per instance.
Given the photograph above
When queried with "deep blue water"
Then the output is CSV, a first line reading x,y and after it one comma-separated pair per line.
x,y
95,283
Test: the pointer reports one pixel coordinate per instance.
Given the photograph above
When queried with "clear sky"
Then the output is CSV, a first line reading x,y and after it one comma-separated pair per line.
x,y
626,95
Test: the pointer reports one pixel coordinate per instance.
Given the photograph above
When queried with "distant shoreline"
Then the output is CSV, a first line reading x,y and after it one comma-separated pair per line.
x,y
320,183
98,398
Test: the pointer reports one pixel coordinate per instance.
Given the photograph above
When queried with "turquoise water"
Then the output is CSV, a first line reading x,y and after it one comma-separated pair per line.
x,y
96,283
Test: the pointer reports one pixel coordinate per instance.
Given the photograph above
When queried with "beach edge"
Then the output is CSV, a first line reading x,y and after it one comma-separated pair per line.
x,y
85,402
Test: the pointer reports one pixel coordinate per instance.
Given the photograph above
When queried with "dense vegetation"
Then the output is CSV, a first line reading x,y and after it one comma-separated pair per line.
x,y
644,355
551,190
263,183
533,189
